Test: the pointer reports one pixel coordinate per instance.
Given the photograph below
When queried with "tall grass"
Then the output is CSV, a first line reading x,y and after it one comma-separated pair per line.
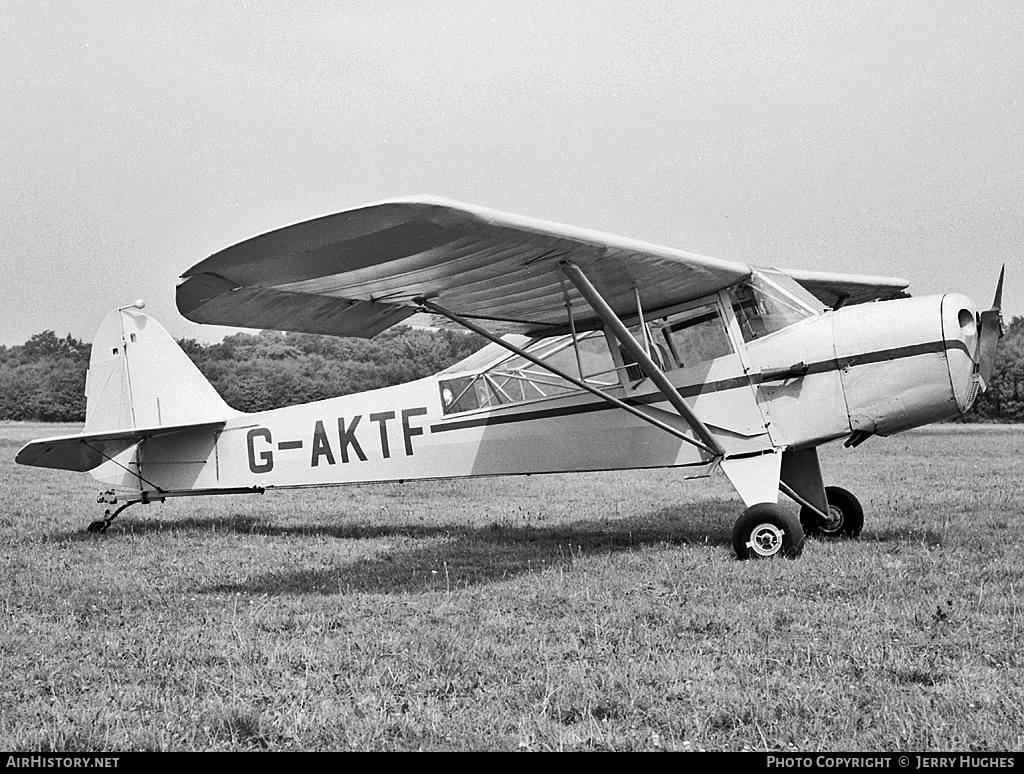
x,y
575,612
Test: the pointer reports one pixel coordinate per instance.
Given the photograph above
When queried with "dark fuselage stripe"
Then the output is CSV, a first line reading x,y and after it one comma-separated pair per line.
x,y
692,390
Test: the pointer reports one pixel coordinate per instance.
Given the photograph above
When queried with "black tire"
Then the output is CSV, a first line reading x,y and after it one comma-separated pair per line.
x,y
846,516
767,530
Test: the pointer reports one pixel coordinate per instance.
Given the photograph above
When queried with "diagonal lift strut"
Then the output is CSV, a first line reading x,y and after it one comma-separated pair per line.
x,y
714,450
626,340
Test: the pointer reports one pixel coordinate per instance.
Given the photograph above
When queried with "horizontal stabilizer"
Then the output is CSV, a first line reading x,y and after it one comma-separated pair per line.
x,y
85,451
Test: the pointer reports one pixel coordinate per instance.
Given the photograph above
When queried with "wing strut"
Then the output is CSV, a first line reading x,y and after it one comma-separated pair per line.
x,y
626,340
712,450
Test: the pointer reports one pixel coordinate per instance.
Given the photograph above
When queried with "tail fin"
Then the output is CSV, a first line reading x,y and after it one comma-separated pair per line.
x,y
140,384
139,377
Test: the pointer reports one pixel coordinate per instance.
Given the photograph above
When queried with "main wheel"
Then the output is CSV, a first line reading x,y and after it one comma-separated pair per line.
x,y
845,516
767,530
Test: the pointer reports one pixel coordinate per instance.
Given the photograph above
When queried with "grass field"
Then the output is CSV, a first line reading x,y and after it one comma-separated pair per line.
x,y
563,612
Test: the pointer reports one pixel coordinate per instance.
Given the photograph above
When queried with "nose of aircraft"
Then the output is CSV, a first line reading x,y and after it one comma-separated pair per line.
x,y
961,331
971,342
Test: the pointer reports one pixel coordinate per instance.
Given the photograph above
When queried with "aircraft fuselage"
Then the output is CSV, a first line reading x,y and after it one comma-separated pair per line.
x,y
873,368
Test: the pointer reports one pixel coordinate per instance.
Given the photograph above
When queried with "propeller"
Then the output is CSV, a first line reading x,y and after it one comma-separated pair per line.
x,y
991,331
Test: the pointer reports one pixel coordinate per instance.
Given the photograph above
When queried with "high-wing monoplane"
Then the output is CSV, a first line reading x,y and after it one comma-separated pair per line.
x,y
604,353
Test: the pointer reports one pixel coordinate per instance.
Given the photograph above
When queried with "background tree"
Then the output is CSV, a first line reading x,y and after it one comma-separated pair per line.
x,y
255,372
1004,399
44,379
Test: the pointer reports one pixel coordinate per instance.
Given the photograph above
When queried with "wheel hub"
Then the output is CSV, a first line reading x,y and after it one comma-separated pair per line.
x,y
765,540
834,522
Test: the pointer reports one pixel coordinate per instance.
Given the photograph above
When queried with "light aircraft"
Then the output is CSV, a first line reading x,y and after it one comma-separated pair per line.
x,y
604,353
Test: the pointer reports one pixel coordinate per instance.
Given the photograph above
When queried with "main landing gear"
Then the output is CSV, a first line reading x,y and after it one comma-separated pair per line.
x,y
845,516
767,530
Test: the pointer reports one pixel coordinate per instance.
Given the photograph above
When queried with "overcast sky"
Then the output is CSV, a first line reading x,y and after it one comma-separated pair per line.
x,y
881,138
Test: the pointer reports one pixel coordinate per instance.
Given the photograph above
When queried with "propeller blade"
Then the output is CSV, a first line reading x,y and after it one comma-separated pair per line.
x,y
997,302
991,331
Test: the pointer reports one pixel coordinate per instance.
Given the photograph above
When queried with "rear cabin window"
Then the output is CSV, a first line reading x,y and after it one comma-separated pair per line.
x,y
517,380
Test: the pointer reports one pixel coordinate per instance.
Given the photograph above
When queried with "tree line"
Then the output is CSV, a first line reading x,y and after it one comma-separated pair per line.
x,y
43,380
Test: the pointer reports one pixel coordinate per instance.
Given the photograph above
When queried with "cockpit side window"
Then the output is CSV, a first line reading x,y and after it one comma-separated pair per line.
x,y
697,336
680,340
652,344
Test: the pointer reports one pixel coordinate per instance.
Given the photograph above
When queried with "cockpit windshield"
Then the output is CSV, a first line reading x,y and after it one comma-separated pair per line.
x,y
770,301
